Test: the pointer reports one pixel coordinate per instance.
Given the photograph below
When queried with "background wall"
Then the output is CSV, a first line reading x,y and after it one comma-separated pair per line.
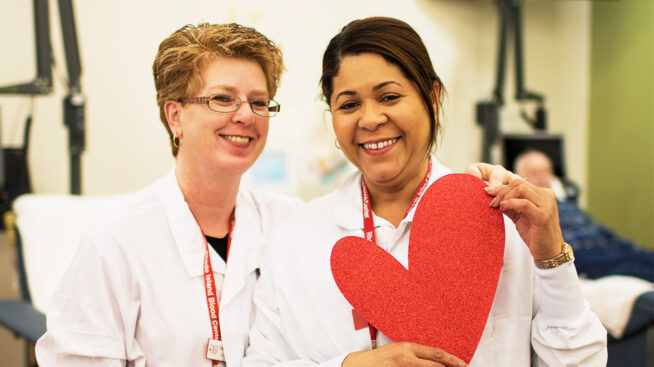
x,y
621,124
127,145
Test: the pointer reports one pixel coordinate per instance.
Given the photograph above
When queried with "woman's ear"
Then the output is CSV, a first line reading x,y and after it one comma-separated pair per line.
x,y
435,93
173,111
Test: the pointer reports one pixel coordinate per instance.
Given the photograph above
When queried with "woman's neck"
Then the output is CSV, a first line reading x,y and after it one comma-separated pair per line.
x,y
210,195
391,200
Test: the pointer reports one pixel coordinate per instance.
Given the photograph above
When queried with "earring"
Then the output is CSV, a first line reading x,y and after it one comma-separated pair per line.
x,y
177,141
336,144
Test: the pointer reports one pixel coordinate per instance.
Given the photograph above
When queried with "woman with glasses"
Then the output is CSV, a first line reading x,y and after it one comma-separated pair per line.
x,y
169,282
384,97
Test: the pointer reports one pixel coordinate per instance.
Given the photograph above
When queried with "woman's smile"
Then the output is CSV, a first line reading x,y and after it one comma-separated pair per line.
x,y
242,140
380,120
380,146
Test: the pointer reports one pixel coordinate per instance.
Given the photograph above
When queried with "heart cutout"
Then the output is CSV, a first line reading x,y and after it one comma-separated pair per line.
x,y
456,252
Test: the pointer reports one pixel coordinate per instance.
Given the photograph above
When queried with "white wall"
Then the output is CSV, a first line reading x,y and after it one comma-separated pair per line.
x,y
127,145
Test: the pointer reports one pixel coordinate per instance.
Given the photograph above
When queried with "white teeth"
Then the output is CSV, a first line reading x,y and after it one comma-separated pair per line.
x,y
237,139
379,145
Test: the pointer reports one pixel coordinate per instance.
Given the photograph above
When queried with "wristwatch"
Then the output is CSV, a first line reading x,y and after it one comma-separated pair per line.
x,y
565,256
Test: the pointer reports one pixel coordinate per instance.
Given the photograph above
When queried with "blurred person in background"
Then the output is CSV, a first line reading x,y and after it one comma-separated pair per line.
x,y
619,272
598,250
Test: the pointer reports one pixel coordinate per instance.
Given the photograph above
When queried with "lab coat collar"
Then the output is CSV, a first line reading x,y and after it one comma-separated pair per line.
x,y
246,247
348,208
190,242
185,230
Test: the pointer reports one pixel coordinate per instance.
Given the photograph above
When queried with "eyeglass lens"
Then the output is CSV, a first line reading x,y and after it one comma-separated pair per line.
x,y
260,106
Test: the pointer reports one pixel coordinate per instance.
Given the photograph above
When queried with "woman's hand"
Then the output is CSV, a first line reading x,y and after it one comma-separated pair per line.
x,y
495,175
534,211
403,354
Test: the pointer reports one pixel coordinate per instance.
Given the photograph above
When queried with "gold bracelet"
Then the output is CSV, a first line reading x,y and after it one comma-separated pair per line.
x,y
565,256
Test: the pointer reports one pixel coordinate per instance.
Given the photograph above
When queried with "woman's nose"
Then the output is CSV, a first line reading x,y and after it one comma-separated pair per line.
x,y
244,114
372,116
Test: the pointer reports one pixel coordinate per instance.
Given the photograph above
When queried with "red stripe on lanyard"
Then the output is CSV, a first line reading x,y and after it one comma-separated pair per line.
x,y
210,284
369,225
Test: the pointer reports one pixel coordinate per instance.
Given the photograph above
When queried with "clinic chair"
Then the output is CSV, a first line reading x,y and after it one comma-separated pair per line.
x,y
46,230
625,305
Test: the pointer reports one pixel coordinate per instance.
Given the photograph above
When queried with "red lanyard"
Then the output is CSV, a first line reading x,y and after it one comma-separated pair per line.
x,y
369,226
210,288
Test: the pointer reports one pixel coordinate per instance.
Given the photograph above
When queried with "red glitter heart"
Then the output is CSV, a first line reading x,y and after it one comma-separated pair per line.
x,y
456,251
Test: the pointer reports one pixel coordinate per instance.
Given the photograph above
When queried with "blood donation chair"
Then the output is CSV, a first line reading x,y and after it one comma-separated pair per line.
x,y
46,230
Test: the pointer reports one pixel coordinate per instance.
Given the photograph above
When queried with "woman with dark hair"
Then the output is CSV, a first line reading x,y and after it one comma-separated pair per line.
x,y
385,99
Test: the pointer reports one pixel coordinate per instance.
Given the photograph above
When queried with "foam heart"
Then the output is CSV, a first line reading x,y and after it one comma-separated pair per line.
x,y
456,251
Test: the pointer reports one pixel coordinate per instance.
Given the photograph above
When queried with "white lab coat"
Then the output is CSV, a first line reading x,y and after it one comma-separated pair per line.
x,y
134,294
302,319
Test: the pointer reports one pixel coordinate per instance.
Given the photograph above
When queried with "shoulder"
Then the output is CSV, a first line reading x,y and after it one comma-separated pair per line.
x,y
320,207
139,215
313,223
269,203
265,210
330,208
308,233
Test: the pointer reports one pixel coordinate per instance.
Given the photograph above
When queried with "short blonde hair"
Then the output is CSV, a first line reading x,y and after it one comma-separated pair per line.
x,y
182,55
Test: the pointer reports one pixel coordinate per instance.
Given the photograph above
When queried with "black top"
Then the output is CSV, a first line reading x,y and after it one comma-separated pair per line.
x,y
219,244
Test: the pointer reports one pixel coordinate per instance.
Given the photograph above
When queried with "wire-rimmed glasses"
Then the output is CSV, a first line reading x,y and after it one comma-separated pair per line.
x,y
224,103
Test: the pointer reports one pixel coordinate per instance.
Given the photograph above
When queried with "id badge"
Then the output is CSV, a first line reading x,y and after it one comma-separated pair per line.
x,y
215,351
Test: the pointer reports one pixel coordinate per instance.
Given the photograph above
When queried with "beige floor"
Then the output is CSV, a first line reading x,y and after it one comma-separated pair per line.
x,y
12,350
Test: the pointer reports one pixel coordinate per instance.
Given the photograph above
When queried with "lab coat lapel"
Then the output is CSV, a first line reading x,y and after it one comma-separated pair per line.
x,y
347,208
245,249
185,231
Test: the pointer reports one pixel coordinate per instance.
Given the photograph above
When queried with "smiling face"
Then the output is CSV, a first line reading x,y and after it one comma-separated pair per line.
x,y
380,120
222,142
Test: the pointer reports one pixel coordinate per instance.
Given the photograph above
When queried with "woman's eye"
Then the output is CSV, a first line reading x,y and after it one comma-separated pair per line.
x,y
221,98
348,106
390,97
259,103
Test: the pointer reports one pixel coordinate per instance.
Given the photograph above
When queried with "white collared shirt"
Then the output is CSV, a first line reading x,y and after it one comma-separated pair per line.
x,y
302,319
134,293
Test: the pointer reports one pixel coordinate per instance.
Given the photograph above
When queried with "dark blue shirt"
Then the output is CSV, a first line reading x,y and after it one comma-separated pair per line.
x,y
599,251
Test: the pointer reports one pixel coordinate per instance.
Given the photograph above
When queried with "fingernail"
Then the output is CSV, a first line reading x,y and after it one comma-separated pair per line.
x,y
492,203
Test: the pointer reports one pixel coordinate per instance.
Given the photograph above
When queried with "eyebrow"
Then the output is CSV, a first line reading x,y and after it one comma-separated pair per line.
x,y
375,88
231,89
383,84
226,87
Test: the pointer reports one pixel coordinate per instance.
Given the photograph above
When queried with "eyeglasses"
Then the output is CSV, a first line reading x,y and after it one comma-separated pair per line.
x,y
223,103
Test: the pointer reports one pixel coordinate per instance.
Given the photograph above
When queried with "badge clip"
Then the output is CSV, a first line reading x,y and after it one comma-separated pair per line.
x,y
215,351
